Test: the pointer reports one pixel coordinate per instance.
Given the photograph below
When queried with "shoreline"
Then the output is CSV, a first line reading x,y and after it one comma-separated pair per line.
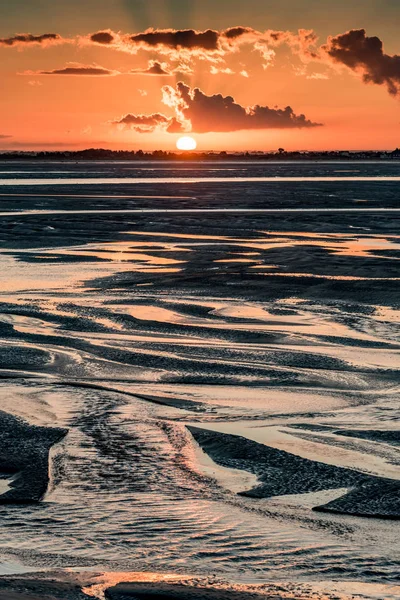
x,y
100,155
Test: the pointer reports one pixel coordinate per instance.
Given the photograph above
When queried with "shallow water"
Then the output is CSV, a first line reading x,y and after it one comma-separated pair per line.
x,y
222,211
268,311
199,179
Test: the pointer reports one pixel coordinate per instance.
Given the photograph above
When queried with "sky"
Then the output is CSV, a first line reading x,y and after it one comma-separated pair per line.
x,y
235,74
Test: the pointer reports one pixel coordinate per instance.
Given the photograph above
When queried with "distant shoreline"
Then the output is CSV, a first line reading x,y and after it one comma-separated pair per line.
x,y
160,155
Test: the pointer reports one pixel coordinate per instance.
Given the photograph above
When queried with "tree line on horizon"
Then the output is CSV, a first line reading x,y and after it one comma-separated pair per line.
x,y
102,153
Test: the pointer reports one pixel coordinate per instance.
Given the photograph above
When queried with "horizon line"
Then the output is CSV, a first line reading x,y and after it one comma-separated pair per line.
x,y
194,152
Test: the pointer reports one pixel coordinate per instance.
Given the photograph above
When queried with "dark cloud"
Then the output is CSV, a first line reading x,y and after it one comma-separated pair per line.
x,y
235,32
199,113
222,114
176,126
22,39
88,70
103,37
144,123
211,43
366,55
154,68
354,49
178,39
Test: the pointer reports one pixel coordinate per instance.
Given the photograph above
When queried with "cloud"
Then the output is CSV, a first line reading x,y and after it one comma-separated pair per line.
x,y
222,114
365,55
320,76
177,44
211,45
175,126
76,69
161,68
183,69
178,39
103,37
265,42
26,39
143,123
303,43
180,44
268,55
199,113
221,71
154,68
233,33
4,137
352,49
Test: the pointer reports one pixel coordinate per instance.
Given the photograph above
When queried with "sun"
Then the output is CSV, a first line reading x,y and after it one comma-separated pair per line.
x,y
186,143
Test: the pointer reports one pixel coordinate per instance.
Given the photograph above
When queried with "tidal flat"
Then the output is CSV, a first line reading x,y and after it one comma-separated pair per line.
x,y
199,380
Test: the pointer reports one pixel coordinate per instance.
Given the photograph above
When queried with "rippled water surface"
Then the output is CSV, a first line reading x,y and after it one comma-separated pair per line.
x,y
196,354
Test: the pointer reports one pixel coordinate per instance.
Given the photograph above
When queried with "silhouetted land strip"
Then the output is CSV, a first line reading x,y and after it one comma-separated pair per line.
x,y
161,155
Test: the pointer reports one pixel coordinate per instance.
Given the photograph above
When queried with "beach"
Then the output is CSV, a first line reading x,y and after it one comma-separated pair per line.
x,y
199,380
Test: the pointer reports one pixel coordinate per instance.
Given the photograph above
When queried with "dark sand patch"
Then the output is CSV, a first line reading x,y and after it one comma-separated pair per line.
x,y
385,436
39,588
160,591
61,585
24,453
380,499
281,473
375,435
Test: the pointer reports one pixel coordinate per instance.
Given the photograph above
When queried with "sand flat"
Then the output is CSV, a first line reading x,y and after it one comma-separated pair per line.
x,y
140,303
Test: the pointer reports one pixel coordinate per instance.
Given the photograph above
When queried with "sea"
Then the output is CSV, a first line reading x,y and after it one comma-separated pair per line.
x,y
220,342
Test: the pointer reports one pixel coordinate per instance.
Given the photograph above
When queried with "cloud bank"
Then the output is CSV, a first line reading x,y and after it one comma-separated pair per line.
x,y
178,39
365,55
28,39
352,49
197,112
211,44
154,68
219,113
144,123
76,69
361,54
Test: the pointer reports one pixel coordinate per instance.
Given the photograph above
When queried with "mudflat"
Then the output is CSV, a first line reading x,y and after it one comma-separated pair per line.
x,y
200,377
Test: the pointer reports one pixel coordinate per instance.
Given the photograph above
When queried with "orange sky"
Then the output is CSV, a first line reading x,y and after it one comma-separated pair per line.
x,y
66,111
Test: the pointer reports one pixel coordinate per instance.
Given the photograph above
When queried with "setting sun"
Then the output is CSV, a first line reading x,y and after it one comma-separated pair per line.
x,y
186,143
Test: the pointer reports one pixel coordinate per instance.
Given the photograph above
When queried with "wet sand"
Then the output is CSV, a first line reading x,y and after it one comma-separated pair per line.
x,y
224,356
281,473
24,458
58,585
